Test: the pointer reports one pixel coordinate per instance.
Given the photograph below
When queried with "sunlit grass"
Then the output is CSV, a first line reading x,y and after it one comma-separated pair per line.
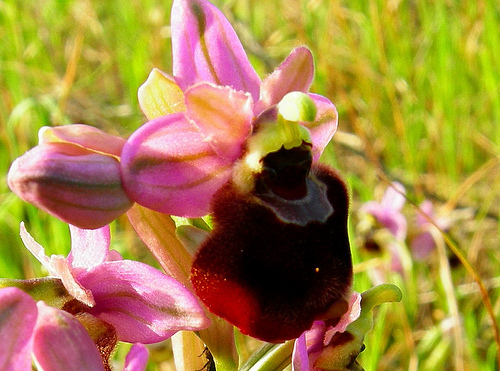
x,y
416,82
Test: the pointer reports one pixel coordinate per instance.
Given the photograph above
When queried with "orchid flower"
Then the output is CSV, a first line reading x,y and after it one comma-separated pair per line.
x,y
203,116
139,302
54,338
221,140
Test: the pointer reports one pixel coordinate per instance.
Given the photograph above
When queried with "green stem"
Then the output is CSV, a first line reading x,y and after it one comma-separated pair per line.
x,y
270,357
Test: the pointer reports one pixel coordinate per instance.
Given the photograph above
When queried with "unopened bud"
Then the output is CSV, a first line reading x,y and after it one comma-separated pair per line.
x,y
75,184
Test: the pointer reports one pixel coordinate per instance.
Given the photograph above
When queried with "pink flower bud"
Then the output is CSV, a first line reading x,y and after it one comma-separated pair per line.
x,y
80,186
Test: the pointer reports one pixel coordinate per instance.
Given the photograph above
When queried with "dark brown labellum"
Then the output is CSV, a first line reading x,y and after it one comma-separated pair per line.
x,y
269,276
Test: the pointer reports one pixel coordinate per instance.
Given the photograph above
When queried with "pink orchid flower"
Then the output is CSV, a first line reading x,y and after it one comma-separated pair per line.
x,y
52,337
141,303
203,115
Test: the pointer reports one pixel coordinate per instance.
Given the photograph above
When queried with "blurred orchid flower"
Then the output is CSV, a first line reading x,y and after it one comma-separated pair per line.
x,y
139,302
387,212
203,115
383,225
424,241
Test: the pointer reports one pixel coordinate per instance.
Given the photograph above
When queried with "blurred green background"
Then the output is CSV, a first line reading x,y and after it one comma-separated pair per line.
x,y
417,87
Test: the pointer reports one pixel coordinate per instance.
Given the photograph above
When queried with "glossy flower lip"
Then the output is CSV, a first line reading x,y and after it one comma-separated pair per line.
x,y
141,303
202,116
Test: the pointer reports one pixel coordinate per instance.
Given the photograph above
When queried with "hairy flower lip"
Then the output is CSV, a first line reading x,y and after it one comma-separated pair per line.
x,y
280,276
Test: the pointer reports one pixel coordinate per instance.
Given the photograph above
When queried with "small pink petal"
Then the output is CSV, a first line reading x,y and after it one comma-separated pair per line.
x,y
137,358
300,355
205,48
36,249
324,126
83,135
141,303
67,276
89,247
61,342
352,314
394,196
18,313
427,208
167,166
57,266
222,115
294,74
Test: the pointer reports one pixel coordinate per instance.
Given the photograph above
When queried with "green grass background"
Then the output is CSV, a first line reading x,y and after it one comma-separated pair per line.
x,y
417,87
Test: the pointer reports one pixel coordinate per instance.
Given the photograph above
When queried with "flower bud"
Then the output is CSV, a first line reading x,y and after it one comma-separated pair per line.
x,y
77,185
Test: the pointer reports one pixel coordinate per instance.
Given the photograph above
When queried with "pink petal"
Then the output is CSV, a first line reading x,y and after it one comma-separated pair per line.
x,y
205,48
222,115
18,315
388,218
167,166
294,74
75,184
300,356
141,303
422,245
89,247
36,249
62,343
137,358
160,95
83,135
352,314
394,196
324,126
